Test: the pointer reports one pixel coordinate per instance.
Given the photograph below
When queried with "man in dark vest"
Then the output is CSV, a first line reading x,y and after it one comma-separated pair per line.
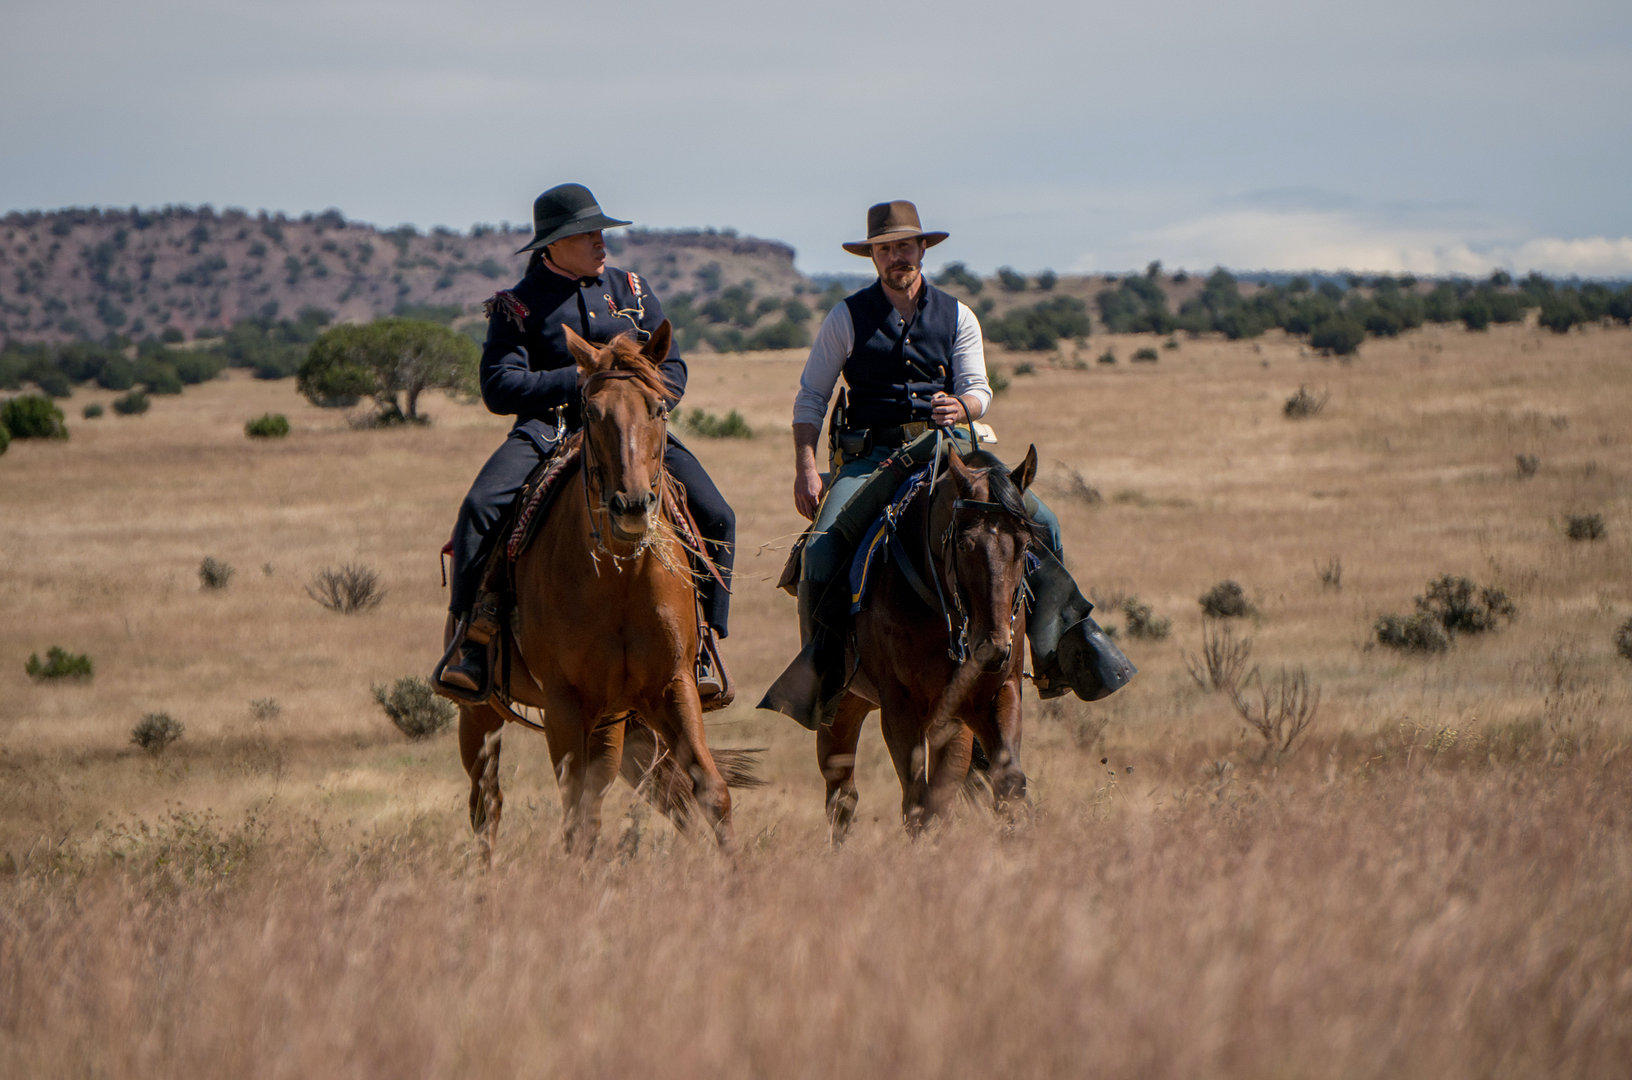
x,y
913,359
527,371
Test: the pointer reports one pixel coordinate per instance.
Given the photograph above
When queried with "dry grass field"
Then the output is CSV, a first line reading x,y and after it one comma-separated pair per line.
x,y
1436,881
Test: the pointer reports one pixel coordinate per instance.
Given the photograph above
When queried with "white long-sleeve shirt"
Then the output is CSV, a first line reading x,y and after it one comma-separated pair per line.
x,y
837,338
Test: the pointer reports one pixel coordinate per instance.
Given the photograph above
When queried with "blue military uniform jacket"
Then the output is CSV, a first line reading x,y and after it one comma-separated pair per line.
x,y
526,368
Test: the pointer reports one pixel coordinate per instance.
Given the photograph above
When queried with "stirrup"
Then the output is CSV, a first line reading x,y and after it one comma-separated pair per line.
x,y
461,634
715,690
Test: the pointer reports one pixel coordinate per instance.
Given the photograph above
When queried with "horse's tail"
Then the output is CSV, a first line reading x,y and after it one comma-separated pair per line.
x,y
651,770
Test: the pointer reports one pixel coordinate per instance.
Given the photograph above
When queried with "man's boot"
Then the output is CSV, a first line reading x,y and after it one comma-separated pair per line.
x,y
816,678
1069,651
715,690
462,673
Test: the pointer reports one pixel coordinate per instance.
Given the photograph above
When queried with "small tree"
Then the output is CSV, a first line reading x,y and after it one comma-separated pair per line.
x,y
392,360
33,416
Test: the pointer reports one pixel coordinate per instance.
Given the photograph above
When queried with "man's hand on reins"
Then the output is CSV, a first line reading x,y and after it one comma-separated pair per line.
x,y
948,411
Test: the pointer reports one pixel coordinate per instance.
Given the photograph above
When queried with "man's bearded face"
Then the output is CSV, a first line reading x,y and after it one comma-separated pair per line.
x,y
899,263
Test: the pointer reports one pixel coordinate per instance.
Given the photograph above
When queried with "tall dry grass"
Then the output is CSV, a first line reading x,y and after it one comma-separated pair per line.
x,y
1432,882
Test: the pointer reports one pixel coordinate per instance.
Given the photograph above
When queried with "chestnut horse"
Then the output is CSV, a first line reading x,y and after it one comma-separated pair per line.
x,y
606,620
938,644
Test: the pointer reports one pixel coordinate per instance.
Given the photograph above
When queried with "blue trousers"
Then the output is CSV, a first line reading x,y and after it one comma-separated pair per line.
x,y
501,478
826,556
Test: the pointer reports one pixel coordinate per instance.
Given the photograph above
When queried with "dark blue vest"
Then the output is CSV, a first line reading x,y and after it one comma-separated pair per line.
x,y
894,368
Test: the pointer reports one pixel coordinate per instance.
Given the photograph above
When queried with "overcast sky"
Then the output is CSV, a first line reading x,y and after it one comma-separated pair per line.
x,y
1434,136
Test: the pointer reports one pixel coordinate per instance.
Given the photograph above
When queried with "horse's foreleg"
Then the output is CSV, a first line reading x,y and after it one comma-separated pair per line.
x,y
681,726
950,751
904,736
603,751
569,757
999,732
480,729
836,757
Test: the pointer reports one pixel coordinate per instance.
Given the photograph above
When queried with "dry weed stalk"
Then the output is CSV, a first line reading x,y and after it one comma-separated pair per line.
x,y
1330,574
1222,657
350,588
1283,712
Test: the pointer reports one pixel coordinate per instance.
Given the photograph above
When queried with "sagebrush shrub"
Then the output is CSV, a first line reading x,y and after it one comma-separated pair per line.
x,y
267,426
706,424
5,439
1143,622
214,574
1527,465
1412,633
93,410
1107,357
1585,527
1623,640
1226,600
59,664
1463,607
156,731
1146,355
33,416
414,707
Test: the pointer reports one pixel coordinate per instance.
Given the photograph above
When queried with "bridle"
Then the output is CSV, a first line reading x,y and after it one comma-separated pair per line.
x,y
942,561
589,464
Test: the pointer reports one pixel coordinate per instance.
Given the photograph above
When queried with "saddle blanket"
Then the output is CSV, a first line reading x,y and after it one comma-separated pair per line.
x,y
870,553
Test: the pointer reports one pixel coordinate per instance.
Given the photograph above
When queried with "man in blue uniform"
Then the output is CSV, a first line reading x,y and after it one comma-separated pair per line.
x,y
527,371
912,358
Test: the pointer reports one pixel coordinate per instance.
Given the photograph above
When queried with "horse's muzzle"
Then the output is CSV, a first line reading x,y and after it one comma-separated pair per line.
x,y
631,514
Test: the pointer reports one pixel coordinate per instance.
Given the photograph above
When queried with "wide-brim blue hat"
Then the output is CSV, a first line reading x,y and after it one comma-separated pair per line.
x,y
566,210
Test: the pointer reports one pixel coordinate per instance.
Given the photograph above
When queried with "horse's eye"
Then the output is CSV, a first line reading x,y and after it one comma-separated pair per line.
x,y
593,411
659,410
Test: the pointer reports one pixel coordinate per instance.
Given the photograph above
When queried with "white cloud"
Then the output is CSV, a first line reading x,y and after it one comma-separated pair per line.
x,y
1335,240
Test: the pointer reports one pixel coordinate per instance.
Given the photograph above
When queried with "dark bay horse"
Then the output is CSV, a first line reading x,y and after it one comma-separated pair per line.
x,y
606,620
939,645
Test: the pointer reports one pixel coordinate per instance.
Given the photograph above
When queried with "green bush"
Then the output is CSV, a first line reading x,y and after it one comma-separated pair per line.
x,y
1303,403
267,426
134,403
33,416
957,275
414,708
1145,355
1025,367
59,664
1226,600
706,424
156,731
1040,327
1339,335
1107,357
1011,279
1623,640
5,439
93,410
1047,280
214,574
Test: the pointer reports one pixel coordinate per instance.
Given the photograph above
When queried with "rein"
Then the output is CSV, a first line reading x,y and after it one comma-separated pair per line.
x,y
957,630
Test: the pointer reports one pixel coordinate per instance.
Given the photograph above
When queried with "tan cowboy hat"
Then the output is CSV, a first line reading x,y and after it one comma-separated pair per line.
x,y
889,221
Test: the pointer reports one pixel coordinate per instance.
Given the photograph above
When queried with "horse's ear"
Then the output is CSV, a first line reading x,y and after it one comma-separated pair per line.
x,y
587,355
656,348
1024,473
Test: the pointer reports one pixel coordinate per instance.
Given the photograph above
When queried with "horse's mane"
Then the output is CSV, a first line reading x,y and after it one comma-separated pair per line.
x,y
1002,489
626,356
